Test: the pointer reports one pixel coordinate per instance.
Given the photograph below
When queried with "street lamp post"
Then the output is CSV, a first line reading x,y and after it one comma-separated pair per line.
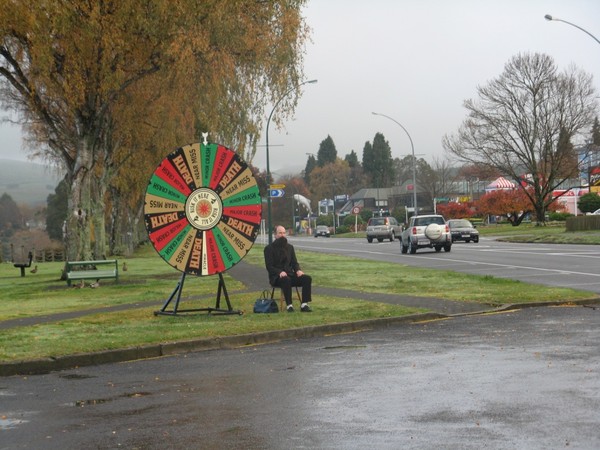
x,y
556,19
269,224
414,170
333,200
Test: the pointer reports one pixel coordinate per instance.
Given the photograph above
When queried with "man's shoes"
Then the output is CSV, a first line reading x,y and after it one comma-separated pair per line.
x,y
290,308
305,308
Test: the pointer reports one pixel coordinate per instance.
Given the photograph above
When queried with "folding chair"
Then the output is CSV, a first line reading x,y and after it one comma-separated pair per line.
x,y
281,298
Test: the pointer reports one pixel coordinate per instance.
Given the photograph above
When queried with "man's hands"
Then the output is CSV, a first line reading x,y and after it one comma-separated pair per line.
x,y
282,274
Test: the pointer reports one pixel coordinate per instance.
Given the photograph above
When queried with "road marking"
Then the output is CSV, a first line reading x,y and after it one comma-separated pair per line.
x,y
512,266
320,249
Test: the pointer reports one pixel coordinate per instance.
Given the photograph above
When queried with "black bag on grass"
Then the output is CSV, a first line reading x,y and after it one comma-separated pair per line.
x,y
265,304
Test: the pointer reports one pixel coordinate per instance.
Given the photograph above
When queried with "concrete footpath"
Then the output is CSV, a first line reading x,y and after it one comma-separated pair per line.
x,y
254,282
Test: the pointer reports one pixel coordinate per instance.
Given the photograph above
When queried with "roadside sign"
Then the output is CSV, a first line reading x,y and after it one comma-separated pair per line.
x,y
276,186
276,192
356,210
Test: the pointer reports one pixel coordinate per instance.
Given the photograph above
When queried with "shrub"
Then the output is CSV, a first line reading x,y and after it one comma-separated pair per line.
x,y
325,220
342,229
559,216
589,202
350,220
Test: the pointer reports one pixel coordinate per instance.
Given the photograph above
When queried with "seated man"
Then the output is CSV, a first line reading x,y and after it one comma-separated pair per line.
x,y
284,270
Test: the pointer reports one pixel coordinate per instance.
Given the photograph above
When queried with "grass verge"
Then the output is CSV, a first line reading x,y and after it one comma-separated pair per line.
x,y
149,281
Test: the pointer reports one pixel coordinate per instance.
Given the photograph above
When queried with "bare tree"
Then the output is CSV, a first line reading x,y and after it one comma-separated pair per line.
x,y
523,123
432,180
441,183
403,169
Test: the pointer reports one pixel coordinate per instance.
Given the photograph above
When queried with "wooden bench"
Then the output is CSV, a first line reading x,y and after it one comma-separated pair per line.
x,y
23,265
88,270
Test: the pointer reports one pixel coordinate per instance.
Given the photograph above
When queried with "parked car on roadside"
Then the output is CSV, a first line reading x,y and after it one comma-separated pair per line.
x,y
430,231
322,230
381,228
463,230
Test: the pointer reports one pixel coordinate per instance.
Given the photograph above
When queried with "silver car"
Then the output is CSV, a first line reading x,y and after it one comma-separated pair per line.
x,y
430,231
322,230
381,228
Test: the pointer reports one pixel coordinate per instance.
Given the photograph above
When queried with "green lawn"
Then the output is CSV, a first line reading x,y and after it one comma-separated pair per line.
x,y
149,281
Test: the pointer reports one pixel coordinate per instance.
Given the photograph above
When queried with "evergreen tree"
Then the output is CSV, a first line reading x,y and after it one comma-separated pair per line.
x,y
327,152
10,216
589,202
311,163
383,160
368,161
570,163
378,162
56,212
352,159
596,132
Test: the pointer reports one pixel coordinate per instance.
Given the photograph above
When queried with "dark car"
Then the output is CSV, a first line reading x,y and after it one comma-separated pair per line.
x,y
321,230
463,230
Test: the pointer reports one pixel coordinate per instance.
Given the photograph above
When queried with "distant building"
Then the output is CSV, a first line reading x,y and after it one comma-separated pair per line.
x,y
376,199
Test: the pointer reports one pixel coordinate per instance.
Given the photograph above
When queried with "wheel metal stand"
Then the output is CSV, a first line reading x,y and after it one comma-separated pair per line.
x,y
176,294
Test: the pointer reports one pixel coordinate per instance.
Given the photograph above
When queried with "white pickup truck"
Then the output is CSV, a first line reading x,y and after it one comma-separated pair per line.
x,y
429,231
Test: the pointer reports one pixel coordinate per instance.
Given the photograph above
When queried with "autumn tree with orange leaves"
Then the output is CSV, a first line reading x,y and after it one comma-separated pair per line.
x,y
512,204
104,88
454,210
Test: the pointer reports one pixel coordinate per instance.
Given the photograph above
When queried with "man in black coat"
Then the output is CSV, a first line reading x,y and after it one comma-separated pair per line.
x,y
284,270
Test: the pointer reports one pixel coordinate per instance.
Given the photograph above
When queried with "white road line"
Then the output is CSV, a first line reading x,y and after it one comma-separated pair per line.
x,y
561,271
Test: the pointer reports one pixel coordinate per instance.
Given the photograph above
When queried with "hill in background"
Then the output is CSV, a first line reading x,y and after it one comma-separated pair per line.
x,y
27,183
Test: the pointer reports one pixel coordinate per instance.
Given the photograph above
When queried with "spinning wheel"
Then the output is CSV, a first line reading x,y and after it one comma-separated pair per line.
x,y
202,209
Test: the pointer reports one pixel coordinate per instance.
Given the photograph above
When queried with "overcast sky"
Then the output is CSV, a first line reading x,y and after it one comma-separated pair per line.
x,y
413,60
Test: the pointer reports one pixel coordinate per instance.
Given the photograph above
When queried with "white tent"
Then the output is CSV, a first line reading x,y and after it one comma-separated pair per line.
x,y
500,184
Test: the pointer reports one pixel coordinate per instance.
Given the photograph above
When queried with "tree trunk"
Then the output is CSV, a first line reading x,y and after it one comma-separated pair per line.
x,y
81,206
127,228
140,233
98,235
540,214
77,233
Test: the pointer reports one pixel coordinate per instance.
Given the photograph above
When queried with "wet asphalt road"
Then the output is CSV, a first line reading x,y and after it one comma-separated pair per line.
x,y
528,379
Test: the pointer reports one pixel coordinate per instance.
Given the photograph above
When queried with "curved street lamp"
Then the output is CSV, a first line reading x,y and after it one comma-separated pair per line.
x,y
269,224
414,170
556,19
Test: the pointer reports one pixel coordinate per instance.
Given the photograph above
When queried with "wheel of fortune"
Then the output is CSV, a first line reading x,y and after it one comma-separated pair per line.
x,y
202,209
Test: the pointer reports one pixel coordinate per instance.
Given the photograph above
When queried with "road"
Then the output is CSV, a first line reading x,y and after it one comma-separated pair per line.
x,y
574,266
526,379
